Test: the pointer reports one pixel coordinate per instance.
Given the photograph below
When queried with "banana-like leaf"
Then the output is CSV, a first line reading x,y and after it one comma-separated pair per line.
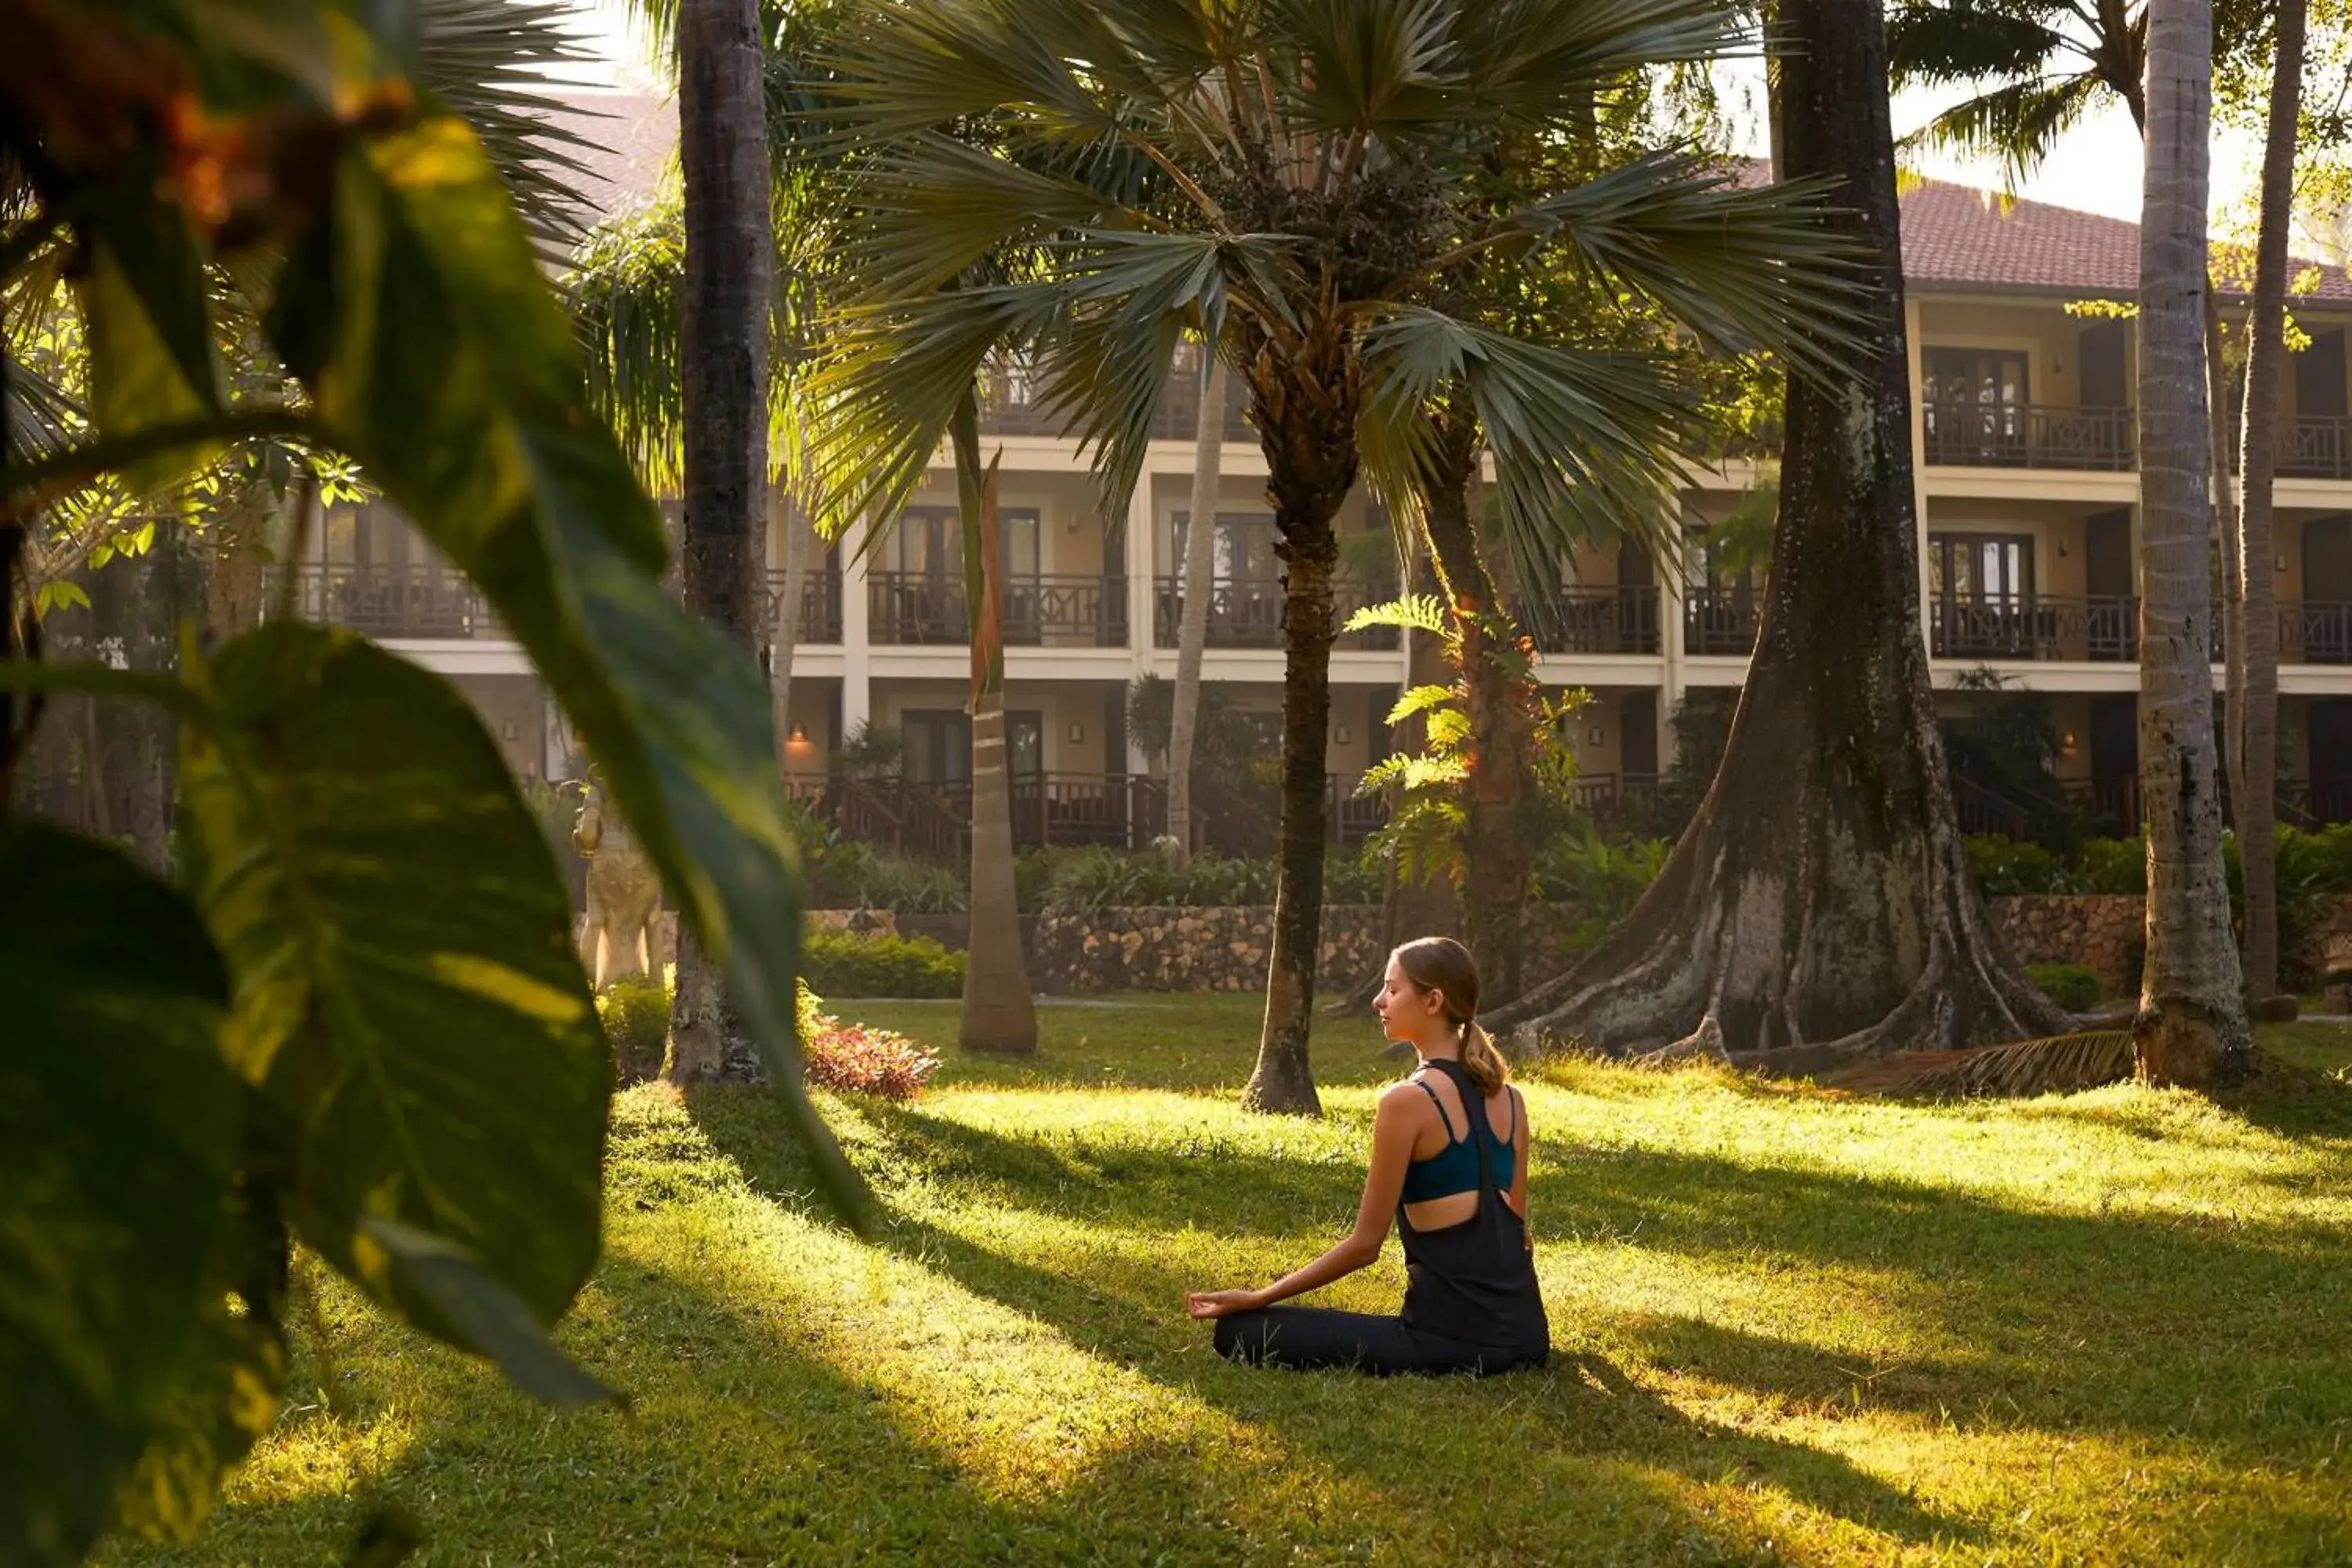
x,y
475,426
117,1133
407,997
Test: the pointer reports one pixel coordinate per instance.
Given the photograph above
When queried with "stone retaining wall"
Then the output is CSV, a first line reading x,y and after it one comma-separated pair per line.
x,y
2105,931
1226,949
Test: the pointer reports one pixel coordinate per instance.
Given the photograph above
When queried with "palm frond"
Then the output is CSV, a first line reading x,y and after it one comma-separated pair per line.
x,y
887,380
624,289
1378,65
914,66
1529,59
1941,45
2059,1064
931,207
1746,268
2018,123
490,62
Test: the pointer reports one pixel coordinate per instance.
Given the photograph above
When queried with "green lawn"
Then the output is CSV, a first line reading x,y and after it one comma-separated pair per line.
x,y
1791,1328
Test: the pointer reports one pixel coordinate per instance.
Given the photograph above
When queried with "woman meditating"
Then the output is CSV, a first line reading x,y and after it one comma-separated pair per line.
x,y
1450,1160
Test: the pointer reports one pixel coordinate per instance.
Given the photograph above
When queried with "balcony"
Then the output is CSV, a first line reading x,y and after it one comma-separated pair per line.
x,y
2315,632
2034,627
2021,436
1040,610
1246,612
1601,619
820,605
420,601
1720,623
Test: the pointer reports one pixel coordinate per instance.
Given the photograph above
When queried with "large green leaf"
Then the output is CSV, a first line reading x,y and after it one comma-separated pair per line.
x,y
441,360
407,992
118,1131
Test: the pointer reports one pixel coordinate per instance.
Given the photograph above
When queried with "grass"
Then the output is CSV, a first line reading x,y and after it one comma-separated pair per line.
x,y
1790,1326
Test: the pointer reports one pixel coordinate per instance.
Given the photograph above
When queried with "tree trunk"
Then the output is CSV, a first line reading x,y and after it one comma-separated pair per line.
x,y
1498,855
1304,403
723,347
2255,702
2224,515
999,1014
237,586
1818,910
2191,1026
788,622
1193,635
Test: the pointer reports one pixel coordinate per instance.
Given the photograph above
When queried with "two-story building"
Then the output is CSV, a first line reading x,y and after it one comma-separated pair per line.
x,y
2027,490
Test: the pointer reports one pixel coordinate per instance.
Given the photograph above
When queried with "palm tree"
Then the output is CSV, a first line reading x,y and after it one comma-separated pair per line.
x,y
2192,1021
723,359
1317,170
2255,703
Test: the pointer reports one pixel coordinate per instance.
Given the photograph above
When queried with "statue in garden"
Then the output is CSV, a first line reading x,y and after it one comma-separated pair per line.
x,y
618,936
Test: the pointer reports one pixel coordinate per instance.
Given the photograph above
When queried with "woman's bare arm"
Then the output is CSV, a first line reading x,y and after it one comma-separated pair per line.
x,y
1396,1128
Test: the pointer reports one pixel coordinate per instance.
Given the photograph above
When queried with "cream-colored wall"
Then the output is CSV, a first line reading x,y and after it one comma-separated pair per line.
x,y
1058,706
2051,525
2050,338
1070,535
812,710
514,709
1172,493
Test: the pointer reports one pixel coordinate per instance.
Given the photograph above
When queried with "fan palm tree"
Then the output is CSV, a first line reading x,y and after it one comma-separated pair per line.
x,y
1318,173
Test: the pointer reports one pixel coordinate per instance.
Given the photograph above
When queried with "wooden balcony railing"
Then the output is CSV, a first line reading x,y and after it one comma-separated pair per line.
x,y
423,601
2023,436
1603,619
1246,612
1040,610
2034,627
820,605
2315,631
1720,623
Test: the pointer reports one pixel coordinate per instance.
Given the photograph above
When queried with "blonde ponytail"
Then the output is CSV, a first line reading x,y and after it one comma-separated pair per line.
x,y
1482,1061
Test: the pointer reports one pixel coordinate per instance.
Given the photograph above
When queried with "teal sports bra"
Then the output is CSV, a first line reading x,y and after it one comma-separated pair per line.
x,y
1454,1169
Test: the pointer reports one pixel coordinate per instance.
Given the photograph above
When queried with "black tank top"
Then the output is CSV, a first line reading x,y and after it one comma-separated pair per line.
x,y
1474,1281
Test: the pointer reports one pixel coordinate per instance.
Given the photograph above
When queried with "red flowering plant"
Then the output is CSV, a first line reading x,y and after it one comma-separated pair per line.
x,y
857,1058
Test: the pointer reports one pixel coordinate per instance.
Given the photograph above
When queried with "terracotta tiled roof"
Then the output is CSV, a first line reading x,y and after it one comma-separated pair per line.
x,y
1958,238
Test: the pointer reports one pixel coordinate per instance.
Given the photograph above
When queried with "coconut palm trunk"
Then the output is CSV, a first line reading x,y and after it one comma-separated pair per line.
x,y
2254,728
1497,854
1819,910
723,347
999,1014
2191,1026
1193,634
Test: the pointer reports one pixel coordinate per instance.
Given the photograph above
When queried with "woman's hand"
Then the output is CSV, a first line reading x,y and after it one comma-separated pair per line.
x,y
1223,1303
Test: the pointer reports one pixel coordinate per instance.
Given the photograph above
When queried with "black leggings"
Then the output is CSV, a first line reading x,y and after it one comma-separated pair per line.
x,y
1309,1337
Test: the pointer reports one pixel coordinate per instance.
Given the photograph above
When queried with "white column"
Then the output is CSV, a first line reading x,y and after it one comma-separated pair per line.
x,y
1671,684
856,682
1911,354
1140,545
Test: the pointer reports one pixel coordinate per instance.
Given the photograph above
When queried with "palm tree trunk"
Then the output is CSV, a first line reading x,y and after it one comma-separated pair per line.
x,y
1497,856
723,347
1819,910
2191,1025
2255,703
1193,635
788,620
999,1014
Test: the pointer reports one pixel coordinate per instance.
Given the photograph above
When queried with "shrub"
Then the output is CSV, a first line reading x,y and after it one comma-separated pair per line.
x,y
2073,986
636,1013
857,1058
906,885
2001,866
844,965
2112,866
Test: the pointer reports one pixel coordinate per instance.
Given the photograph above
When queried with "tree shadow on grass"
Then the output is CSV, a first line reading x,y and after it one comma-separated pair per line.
x,y
1580,1430
2125,1323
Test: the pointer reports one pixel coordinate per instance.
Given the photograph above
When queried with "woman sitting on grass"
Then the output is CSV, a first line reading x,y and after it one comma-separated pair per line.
x,y
1450,1160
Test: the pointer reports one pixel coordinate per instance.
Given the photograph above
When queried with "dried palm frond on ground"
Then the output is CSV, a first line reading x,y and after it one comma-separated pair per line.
x,y
2056,1064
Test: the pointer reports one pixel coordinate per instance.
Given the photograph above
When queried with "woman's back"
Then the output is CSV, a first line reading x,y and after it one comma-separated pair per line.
x,y
1473,1277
